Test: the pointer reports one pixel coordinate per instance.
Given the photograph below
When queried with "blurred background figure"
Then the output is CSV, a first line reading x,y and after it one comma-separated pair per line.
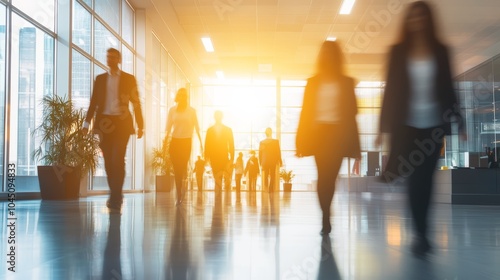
x,y
270,160
327,126
418,107
219,151
199,169
181,122
239,167
252,169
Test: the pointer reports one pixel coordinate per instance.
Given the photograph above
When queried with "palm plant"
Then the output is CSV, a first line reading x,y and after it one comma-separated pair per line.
x,y
62,140
161,159
286,175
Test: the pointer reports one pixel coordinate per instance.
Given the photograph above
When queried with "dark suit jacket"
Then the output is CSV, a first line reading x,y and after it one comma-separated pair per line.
x,y
219,148
397,91
127,93
307,131
269,153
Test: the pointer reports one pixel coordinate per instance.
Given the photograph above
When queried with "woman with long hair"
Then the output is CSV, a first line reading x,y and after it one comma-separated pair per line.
x,y
181,121
418,108
327,126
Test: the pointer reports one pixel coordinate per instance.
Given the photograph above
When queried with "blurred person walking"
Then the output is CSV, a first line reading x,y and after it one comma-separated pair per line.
x,y
418,108
327,126
181,122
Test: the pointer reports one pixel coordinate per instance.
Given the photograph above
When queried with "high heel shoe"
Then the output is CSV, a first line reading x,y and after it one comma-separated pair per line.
x,y
327,227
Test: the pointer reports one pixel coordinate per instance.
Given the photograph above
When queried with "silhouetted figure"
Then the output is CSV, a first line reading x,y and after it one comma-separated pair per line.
x,y
418,108
219,151
239,167
111,95
327,125
181,122
199,169
252,169
270,159
492,163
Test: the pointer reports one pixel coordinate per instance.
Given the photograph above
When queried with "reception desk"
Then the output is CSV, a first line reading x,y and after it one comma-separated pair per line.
x,y
468,186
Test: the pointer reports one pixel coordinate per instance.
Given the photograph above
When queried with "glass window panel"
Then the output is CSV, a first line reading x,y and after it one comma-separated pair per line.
x,y
127,23
81,81
82,27
32,76
88,2
108,10
103,40
369,97
292,96
127,60
288,141
290,119
164,90
368,120
2,88
40,11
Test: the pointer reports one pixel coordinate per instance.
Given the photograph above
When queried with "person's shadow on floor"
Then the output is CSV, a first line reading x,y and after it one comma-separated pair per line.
x,y
327,266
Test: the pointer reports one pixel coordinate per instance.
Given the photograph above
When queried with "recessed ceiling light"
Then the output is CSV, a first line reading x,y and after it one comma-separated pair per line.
x,y
346,7
207,43
331,38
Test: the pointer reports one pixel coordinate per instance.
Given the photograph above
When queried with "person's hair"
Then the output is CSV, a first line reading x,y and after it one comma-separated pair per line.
x,y
430,25
181,97
330,61
115,51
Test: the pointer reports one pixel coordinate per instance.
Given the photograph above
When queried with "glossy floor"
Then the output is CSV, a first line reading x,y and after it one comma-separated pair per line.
x,y
257,236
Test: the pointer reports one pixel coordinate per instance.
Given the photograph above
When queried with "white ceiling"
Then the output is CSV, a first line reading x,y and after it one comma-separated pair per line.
x,y
285,35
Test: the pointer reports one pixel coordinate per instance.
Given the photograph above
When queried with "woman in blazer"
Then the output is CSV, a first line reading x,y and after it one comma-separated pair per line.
x,y
327,126
418,108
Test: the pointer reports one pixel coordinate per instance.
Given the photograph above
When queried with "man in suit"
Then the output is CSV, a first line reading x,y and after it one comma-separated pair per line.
x,y
111,95
219,151
199,169
270,159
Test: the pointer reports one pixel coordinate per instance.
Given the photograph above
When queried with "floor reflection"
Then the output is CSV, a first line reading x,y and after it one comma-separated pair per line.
x,y
328,269
251,236
111,267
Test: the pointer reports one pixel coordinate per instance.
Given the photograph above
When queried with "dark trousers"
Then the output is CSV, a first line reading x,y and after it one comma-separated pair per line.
x,y
269,176
237,178
418,162
252,182
222,171
180,151
114,137
328,159
199,180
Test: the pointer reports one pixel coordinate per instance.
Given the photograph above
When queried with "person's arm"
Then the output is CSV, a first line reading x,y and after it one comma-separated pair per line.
x,y
170,120
197,129
92,107
386,110
136,103
279,153
231,144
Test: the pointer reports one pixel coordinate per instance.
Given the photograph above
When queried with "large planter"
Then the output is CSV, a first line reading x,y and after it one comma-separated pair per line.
x,y
164,183
287,187
59,182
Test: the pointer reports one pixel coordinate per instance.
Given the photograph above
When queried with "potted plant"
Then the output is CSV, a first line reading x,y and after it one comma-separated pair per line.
x,y
67,152
162,166
287,176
